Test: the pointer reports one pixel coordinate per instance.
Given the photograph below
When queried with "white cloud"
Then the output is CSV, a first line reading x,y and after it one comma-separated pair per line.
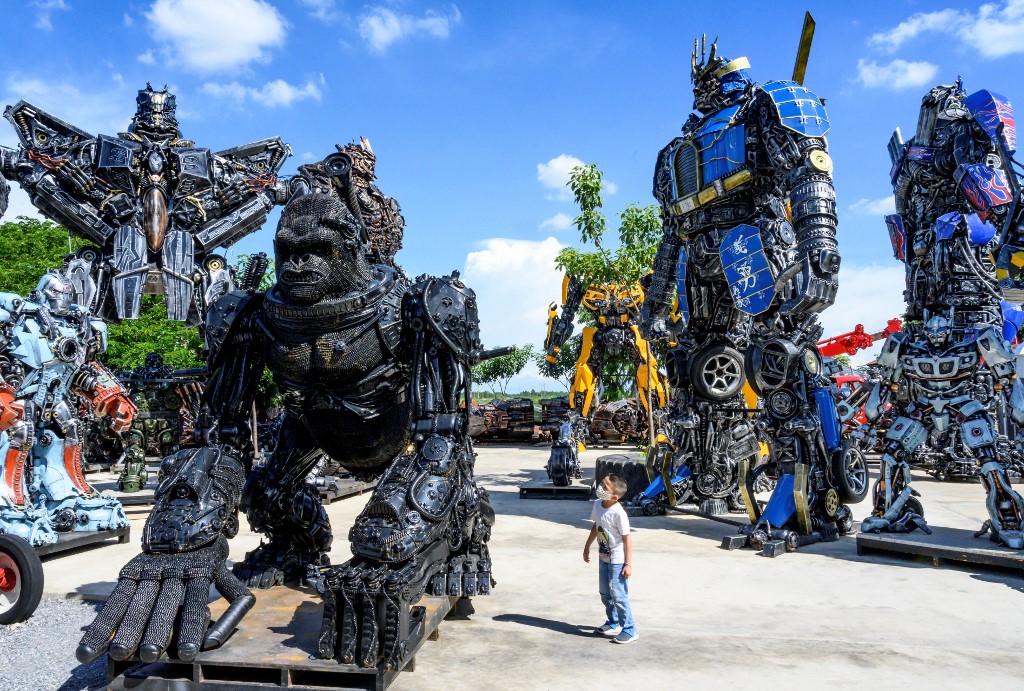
x,y
993,31
381,26
554,175
324,10
224,35
557,223
609,187
870,295
277,93
308,156
898,74
146,58
128,20
875,207
44,10
90,107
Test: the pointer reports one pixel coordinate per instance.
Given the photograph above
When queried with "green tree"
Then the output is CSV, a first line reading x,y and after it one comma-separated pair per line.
x,y
843,359
28,249
133,339
565,361
500,370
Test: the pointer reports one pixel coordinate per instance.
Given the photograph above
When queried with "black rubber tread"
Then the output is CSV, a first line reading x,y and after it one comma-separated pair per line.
x,y
22,554
847,494
630,468
558,466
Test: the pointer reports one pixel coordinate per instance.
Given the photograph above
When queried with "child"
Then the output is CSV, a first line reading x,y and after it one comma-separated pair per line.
x,y
615,548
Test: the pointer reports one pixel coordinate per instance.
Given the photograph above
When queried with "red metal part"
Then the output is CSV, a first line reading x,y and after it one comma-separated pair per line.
x,y
851,342
8,579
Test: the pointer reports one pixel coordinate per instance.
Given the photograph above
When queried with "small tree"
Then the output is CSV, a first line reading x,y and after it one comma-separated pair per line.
x,y
29,248
565,361
500,370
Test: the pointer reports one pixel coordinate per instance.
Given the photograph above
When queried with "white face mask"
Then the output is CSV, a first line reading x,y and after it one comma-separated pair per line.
x,y
602,493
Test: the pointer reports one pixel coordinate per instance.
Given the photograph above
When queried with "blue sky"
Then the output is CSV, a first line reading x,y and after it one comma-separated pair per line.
x,y
477,110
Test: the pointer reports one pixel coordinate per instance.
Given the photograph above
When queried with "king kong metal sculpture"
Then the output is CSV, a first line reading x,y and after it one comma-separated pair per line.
x,y
372,370
48,369
155,205
957,202
750,243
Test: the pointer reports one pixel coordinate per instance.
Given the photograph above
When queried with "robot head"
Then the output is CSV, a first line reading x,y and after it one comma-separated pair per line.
x,y
941,105
154,360
717,82
155,114
363,159
56,292
938,330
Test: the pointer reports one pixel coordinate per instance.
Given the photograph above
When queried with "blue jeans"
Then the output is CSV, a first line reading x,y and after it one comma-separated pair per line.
x,y
615,596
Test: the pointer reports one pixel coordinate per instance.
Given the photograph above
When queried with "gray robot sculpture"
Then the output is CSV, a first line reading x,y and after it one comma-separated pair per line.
x,y
750,248
48,369
956,200
155,205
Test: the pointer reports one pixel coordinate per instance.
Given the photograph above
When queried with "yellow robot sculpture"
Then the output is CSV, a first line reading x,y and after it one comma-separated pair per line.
x,y
616,312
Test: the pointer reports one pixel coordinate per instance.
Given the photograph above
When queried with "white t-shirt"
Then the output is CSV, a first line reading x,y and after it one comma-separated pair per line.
x,y
612,525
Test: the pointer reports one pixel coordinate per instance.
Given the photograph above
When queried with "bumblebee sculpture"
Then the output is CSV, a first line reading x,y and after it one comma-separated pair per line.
x,y
155,204
373,371
750,246
48,367
956,200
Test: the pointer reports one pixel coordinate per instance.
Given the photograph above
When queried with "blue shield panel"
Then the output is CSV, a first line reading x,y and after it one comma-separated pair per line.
x,y
750,277
897,236
684,303
990,110
721,145
799,110
946,224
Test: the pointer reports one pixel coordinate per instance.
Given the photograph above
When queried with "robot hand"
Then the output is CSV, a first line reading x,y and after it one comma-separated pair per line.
x,y
116,405
159,593
10,410
811,290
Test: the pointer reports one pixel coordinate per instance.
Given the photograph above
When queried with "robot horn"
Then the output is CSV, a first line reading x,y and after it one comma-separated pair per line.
x,y
714,51
703,46
693,58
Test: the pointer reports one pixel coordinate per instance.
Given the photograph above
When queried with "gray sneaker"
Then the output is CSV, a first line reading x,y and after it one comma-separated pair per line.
x,y
625,637
608,630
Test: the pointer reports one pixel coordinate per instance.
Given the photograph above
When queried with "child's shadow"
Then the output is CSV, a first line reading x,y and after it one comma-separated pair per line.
x,y
550,624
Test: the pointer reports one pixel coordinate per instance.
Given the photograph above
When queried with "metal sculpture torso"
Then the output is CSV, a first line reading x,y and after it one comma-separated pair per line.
x,y
373,371
750,222
949,372
47,371
155,205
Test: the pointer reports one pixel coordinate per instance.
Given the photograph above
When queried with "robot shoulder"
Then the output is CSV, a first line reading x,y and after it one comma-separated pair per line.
x,y
225,318
446,307
796,109
890,353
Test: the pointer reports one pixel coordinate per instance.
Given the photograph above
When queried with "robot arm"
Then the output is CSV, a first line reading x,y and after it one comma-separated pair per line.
x,y
656,313
560,327
105,395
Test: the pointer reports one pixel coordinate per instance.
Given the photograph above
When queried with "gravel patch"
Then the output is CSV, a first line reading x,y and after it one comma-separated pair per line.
x,y
40,653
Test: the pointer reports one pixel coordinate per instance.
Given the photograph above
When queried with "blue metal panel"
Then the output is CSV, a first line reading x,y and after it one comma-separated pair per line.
x,y
798,109
750,277
946,224
720,145
979,232
782,504
990,110
925,154
1013,319
829,418
984,187
897,236
658,486
684,303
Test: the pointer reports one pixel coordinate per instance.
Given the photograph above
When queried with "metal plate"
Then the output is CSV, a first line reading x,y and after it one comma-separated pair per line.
x,y
798,109
750,277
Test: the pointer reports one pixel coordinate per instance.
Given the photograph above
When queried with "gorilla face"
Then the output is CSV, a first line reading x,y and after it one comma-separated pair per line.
x,y
318,250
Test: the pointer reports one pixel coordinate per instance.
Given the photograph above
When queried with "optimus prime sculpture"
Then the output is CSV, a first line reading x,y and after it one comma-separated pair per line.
x,y
957,198
373,370
750,245
48,349
615,310
155,204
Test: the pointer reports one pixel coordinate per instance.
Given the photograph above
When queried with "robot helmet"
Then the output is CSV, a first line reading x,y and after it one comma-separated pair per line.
x,y
938,329
56,292
363,159
154,360
155,114
717,82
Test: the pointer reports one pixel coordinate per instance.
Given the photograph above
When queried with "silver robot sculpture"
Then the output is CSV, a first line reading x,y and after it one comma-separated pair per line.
x,y
48,371
956,198
155,205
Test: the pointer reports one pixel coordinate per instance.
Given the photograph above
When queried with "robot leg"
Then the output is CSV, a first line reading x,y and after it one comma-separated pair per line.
x,y
178,258
131,268
54,461
582,395
896,507
17,514
648,381
1004,504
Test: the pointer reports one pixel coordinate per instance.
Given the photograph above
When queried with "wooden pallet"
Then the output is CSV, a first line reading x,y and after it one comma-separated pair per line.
x,y
272,648
579,489
74,540
943,546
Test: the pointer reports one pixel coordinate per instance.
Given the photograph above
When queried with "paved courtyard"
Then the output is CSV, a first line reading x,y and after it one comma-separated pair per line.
x,y
819,618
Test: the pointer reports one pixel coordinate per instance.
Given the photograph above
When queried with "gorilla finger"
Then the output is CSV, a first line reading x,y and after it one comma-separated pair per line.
x,y
158,633
97,636
195,617
128,635
241,599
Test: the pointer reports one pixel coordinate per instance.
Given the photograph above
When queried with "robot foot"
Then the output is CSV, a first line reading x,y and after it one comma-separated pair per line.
x,y
1014,539
272,564
88,513
906,523
32,525
713,507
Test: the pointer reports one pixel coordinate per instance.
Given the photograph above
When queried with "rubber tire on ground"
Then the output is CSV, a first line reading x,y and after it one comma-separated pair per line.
x,y
701,358
558,466
847,493
631,469
31,577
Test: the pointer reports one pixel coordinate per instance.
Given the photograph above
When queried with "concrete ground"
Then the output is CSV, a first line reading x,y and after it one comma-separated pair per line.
x,y
819,618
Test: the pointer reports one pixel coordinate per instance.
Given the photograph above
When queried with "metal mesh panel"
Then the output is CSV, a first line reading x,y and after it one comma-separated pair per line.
x,y
684,168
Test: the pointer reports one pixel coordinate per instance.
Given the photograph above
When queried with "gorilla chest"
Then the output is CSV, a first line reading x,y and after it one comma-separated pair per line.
x,y
336,357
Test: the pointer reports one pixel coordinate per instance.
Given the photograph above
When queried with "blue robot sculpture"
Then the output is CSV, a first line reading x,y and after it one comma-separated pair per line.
x,y
952,367
750,247
48,370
